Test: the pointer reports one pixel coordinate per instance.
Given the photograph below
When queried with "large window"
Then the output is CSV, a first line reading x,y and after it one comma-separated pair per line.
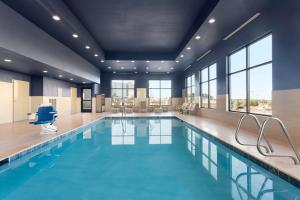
x,y
190,88
208,86
250,78
122,93
160,92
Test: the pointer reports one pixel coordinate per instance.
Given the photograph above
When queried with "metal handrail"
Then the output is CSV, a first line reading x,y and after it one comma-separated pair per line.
x,y
295,158
268,149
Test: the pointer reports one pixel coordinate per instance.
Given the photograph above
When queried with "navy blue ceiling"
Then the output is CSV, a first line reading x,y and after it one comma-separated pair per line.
x,y
25,65
157,30
135,29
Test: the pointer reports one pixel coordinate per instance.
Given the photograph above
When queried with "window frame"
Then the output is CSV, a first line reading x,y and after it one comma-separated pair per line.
x,y
208,82
122,88
187,87
160,88
247,71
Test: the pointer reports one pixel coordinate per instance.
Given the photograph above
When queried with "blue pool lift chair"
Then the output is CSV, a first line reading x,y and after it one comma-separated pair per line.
x,y
46,117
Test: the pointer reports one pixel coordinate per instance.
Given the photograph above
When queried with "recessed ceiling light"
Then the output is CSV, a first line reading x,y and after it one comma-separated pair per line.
x,y
114,72
75,35
102,61
7,60
87,47
188,48
60,76
56,18
177,61
96,55
172,68
109,67
181,56
71,79
132,61
162,61
45,71
212,20
117,61
148,61
122,67
198,37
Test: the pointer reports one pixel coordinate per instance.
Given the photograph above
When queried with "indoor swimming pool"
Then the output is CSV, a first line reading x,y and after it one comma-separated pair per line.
x,y
139,158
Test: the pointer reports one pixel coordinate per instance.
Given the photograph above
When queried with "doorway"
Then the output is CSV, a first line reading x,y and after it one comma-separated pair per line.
x,y
20,100
86,99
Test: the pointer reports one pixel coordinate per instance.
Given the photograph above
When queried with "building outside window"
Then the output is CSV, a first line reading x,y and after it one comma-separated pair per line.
x,y
208,86
160,92
122,93
250,78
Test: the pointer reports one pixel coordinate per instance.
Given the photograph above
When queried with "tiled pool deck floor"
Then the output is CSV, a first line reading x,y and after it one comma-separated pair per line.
x,y
16,137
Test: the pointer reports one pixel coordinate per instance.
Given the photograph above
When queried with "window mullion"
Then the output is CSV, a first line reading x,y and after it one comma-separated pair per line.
x,y
247,81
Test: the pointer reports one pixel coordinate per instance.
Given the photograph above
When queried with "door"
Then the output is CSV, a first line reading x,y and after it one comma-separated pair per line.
x,y
73,100
6,102
86,100
21,100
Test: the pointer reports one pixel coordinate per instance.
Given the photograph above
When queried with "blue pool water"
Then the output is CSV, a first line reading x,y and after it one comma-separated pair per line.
x,y
145,158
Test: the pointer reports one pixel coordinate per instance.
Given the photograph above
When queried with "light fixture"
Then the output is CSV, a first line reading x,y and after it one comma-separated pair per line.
x,y
122,67
181,56
96,55
135,72
198,37
102,61
71,79
162,61
132,61
56,17
45,71
148,61
7,60
147,67
60,76
177,61
109,67
75,35
114,72
172,68
83,82
212,20
87,47
242,26
188,48
117,61
147,72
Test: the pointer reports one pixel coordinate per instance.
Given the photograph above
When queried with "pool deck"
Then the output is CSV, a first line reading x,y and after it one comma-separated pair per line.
x,y
18,136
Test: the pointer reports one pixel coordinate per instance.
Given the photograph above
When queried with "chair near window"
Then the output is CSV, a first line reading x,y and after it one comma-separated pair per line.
x,y
143,107
116,104
129,103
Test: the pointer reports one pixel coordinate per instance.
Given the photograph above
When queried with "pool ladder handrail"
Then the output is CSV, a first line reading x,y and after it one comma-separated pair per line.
x,y
267,149
295,158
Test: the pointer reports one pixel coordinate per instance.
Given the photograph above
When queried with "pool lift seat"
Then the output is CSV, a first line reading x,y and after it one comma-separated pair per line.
x,y
46,117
